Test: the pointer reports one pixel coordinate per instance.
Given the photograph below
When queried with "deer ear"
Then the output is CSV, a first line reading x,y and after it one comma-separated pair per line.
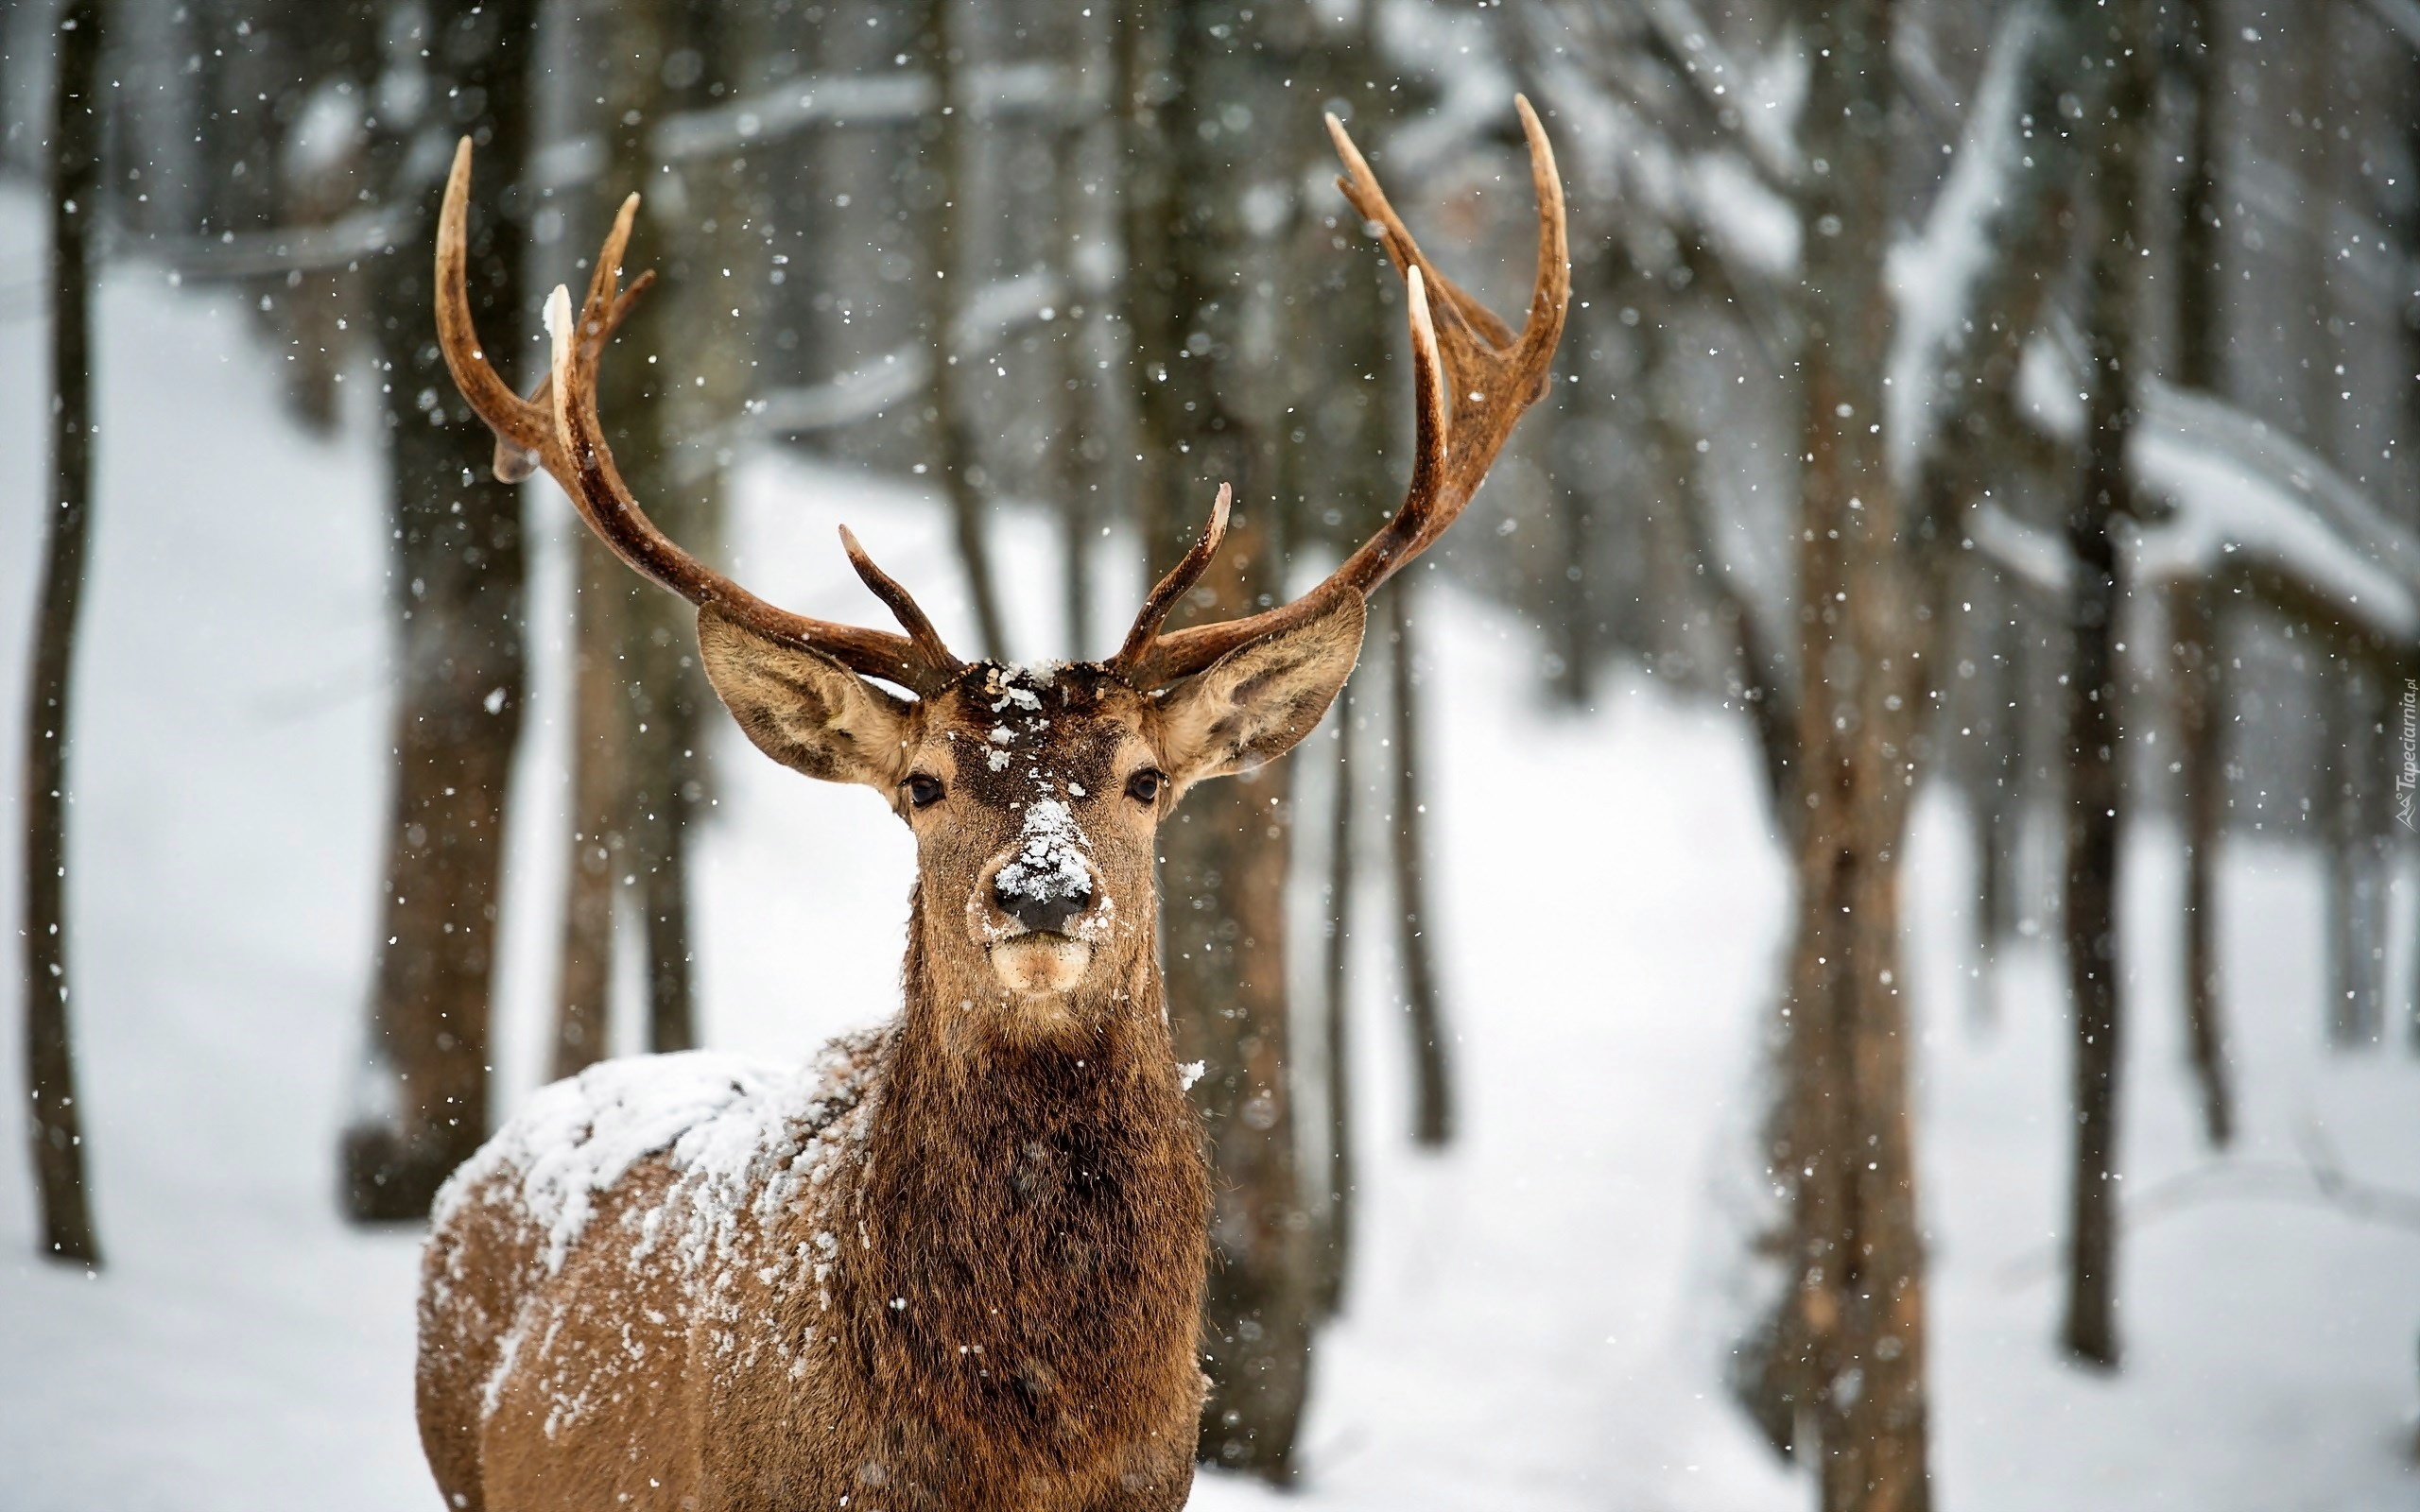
x,y
1252,704
802,708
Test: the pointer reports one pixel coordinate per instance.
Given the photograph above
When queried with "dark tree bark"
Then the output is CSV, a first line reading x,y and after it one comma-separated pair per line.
x,y
639,693
600,798
2359,860
1084,148
2200,242
1198,82
2201,702
1845,1363
952,155
1432,1114
1083,447
2200,681
1336,1263
457,591
1996,808
55,1120
2094,753
697,335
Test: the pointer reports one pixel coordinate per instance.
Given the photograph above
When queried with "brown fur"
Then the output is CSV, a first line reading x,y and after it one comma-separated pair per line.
x,y
959,1266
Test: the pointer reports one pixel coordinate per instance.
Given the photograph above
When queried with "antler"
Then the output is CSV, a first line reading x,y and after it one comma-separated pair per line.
x,y
557,428
1472,378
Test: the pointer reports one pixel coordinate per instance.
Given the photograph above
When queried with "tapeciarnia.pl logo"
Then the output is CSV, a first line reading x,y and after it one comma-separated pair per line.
x,y
2407,776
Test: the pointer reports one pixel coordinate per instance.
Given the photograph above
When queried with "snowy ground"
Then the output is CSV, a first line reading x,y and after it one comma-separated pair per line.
x,y
1531,1322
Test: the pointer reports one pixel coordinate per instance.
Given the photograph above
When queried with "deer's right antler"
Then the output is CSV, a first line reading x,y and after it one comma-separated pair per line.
x,y
1472,378
557,428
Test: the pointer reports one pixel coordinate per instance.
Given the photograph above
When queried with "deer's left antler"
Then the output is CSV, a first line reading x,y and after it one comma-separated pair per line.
x,y
1472,379
557,428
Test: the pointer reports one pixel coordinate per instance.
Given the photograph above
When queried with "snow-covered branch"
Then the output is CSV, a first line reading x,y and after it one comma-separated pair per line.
x,y
2237,493
993,90
1941,275
994,311
2242,489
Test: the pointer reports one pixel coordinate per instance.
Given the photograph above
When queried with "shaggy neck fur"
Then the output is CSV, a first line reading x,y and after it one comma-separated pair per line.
x,y
1034,1208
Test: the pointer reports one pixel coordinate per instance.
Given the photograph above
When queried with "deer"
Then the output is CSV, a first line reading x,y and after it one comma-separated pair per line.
x,y
957,1260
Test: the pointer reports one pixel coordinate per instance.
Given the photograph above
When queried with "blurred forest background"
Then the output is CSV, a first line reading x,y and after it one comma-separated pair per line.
x,y
2004,409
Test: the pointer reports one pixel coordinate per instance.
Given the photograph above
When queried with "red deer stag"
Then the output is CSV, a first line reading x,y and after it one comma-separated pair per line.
x,y
956,1262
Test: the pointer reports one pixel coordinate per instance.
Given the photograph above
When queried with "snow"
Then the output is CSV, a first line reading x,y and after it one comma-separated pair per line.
x,y
2232,486
1530,1320
576,1138
2240,485
1050,862
1935,276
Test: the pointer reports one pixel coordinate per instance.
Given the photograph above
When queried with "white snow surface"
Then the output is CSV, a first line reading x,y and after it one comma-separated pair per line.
x,y
1531,1324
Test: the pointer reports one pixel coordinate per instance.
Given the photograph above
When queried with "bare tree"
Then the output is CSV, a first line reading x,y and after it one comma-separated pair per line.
x,y
456,592
1432,1116
1855,1329
2201,702
54,1120
599,722
1224,860
1336,1017
950,145
2193,620
638,783
2094,746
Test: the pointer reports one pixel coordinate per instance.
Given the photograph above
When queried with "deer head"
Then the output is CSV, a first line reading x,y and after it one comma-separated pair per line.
x,y
1034,793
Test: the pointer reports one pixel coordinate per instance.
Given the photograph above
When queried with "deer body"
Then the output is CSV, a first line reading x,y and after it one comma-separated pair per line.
x,y
958,1262
976,1288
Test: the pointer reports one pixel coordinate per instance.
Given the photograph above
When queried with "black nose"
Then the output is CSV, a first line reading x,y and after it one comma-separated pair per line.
x,y
1041,903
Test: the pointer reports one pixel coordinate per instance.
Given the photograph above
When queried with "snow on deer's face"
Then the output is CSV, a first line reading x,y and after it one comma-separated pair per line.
x,y
1034,793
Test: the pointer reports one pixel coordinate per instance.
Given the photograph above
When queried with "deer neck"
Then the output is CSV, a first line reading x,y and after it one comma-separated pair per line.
x,y
1035,1207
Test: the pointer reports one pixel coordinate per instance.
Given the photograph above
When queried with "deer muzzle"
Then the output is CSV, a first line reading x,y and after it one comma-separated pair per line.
x,y
1040,906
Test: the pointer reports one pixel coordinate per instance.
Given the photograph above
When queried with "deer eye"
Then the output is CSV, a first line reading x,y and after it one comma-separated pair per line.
x,y
1144,786
924,791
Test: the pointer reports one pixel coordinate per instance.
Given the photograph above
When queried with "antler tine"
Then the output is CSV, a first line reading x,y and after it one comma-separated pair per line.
x,y
511,463
523,427
1473,378
513,419
1360,187
1550,290
903,605
1179,582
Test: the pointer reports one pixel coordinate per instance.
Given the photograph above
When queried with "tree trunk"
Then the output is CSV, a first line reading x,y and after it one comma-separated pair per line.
x,y
1432,1117
2356,848
1996,808
2201,675
600,797
56,1125
952,149
1849,1352
2094,755
2201,700
1081,343
2201,243
1336,1264
713,266
458,594
1198,86
639,693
